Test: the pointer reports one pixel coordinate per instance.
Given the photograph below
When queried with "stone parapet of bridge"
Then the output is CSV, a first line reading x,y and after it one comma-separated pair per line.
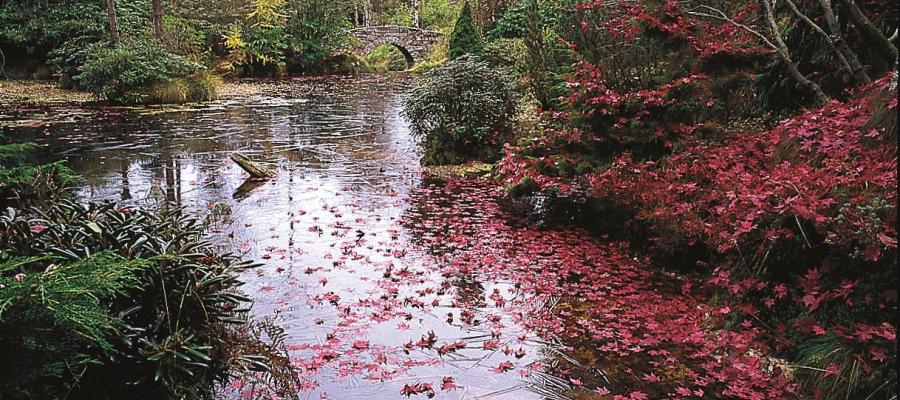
x,y
414,43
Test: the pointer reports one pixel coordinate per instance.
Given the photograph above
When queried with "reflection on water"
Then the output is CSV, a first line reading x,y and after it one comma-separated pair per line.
x,y
357,297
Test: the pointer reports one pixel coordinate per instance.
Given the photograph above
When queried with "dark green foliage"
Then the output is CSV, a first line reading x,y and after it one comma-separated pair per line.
x,y
125,73
538,71
507,55
257,50
316,29
58,32
544,60
463,110
515,21
25,185
38,25
68,57
465,38
70,298
145,327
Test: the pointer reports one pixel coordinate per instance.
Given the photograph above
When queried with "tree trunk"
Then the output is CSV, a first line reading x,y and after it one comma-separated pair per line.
x,y
837,40
873,35
366,7
537,60
113,21
158,20
415,14
785,54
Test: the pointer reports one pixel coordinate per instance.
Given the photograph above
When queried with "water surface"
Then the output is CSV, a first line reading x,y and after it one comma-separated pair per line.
x,y
365,305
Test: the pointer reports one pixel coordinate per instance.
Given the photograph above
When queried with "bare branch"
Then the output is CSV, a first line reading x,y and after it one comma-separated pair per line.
x,y
785,54
721,16
882,45
828,38
776,43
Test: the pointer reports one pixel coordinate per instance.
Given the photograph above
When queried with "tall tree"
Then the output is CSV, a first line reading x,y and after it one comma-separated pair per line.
x,y
874,38
157,19
465,38
416,22
536,61
113,21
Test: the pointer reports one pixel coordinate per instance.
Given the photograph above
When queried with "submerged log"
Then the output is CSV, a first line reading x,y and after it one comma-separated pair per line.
x,y
255,170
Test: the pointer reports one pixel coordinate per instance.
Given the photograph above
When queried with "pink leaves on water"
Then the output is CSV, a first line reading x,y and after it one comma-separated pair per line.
x,y
451,347
361,345
447,383
417,389
504,367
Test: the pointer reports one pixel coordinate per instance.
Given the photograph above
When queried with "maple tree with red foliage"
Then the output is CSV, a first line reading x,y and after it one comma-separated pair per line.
x,y
795,223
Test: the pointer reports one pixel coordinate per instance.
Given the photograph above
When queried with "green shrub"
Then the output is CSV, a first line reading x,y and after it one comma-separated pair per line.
x,y
436,14
465,38
508,55
126,73
461,111
513,23
317,30
108,302
25,185
54,319
66,58
257,51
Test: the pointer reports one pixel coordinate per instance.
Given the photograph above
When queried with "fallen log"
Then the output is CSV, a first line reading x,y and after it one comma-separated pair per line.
x,y
255,170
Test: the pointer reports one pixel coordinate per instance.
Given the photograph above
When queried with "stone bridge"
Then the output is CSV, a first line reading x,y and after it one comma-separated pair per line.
x,y
414,43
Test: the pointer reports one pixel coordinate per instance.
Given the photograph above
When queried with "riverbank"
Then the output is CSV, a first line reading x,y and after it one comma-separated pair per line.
x,y
15,93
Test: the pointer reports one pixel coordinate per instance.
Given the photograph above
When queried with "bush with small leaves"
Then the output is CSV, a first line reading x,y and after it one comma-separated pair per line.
x,y
132,72
461,111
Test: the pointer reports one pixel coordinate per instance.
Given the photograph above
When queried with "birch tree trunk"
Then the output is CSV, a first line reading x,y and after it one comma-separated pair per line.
x,y
366,7
415,14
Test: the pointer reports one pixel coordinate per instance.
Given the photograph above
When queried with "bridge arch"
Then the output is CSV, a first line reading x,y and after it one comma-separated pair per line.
x,y
414,43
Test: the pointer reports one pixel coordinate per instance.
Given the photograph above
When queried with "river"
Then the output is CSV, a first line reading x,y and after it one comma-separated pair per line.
x,y
327,228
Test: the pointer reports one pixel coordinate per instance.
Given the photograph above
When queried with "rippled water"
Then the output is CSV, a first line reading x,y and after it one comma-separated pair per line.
x,y
341,273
